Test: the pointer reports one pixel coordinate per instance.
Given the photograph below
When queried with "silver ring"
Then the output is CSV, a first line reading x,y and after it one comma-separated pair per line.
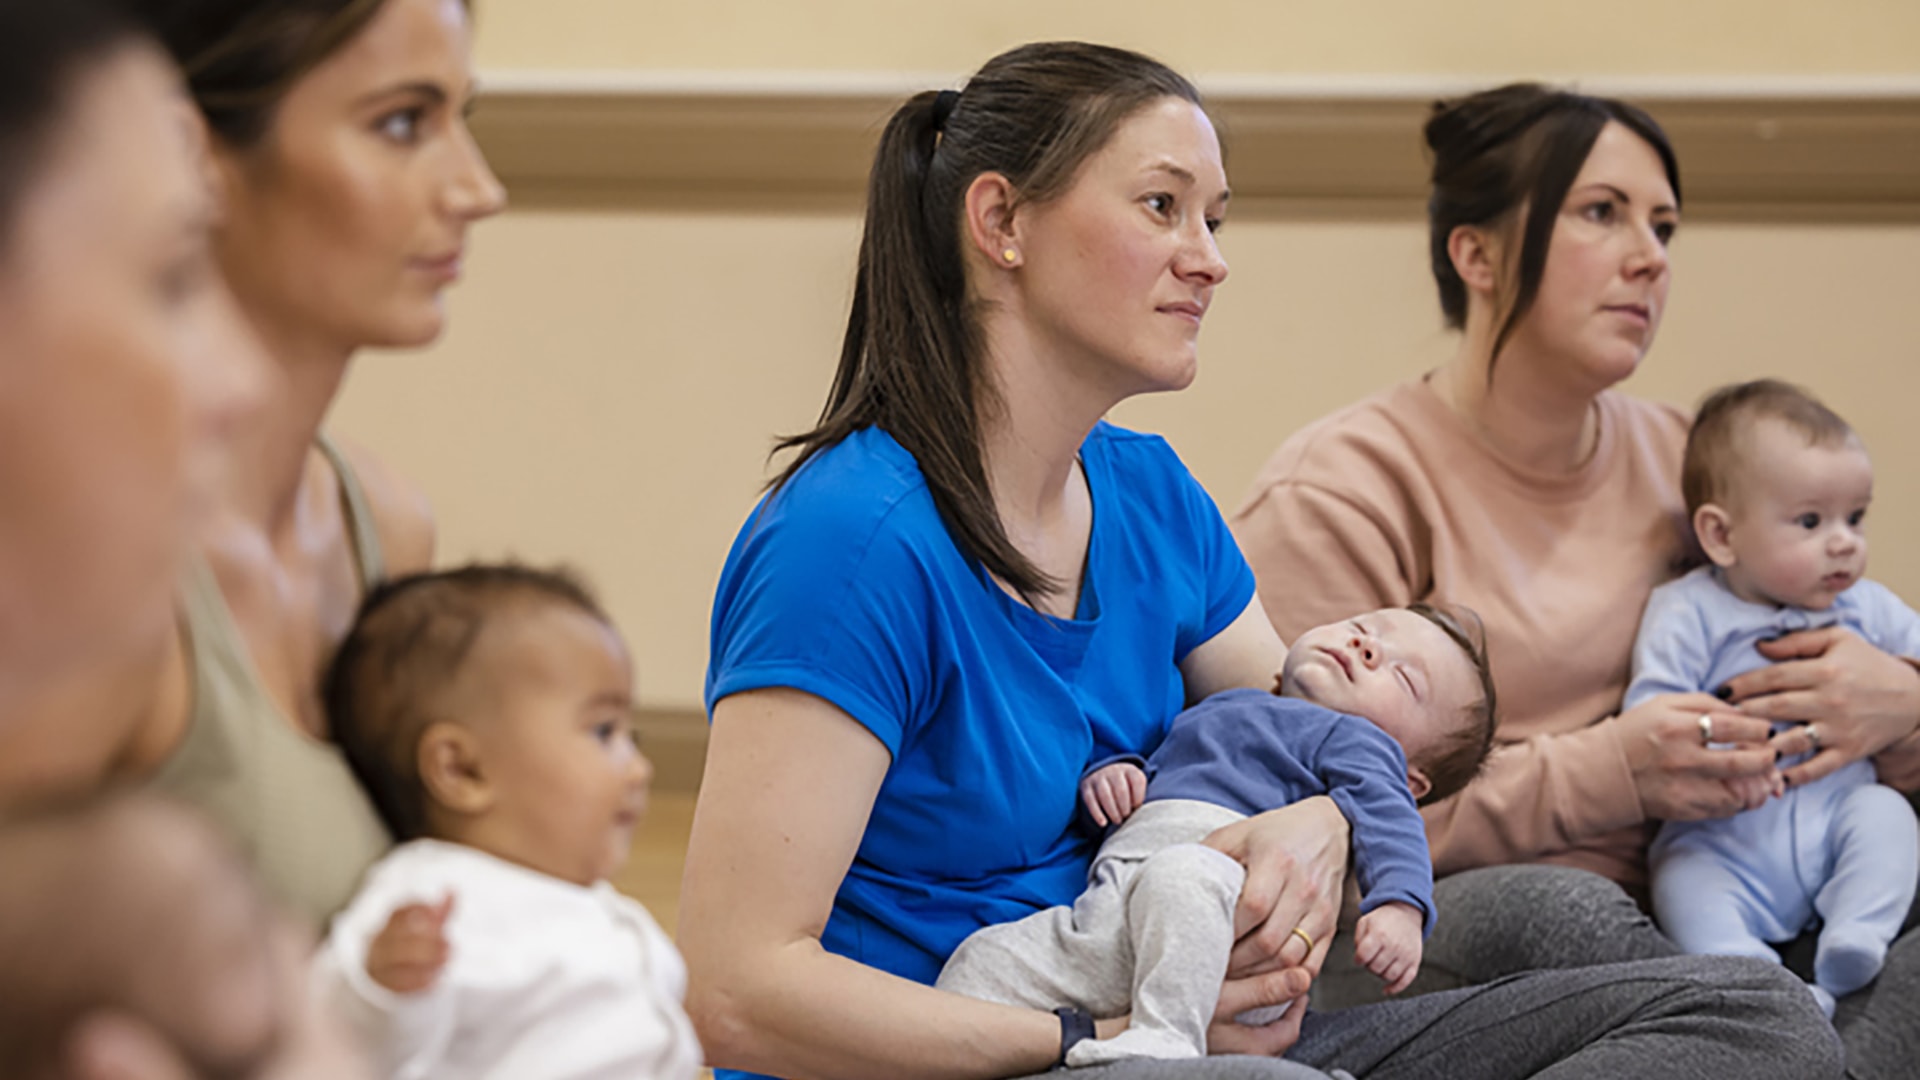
x,y
1813,738
1706,729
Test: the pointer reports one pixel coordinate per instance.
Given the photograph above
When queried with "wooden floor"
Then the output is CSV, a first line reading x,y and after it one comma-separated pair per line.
x,y
652,873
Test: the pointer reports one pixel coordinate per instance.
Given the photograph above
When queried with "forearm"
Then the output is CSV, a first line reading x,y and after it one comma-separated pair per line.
x,y
802,1013
789,785
1899,765
1543,796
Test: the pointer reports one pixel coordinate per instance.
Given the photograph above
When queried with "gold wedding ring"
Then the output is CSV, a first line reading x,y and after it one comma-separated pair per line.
x,y
1306,937
1706,729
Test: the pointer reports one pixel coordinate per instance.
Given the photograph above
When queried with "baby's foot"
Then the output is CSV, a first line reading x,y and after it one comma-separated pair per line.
x,y
1845,961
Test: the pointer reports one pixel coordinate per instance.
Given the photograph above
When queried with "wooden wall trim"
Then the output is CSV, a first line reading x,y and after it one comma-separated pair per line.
x,y
675,740
1773,150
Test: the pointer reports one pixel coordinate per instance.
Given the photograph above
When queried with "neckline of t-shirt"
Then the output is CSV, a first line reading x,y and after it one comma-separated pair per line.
x,y
1087,608
1535,483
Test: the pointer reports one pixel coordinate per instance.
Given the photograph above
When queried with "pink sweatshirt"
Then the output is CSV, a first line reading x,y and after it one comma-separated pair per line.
x,y
1394,500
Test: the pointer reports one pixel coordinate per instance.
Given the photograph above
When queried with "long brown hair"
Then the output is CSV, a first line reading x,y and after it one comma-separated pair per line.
x,y
911,363
1513,146
242,56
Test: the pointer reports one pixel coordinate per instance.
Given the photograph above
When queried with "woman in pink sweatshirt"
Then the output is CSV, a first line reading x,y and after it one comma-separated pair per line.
x,y
1515,480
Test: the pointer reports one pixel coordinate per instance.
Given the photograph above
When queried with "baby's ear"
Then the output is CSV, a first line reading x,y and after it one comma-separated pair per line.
x,y
1714,528
1280,683
451,769
1418,783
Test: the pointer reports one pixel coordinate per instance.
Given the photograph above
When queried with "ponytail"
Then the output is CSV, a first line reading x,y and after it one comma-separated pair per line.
x,y
912,361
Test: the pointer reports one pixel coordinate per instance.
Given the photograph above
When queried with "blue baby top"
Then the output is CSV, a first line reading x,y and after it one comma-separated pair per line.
x,y
845,584
1251,751
1696,634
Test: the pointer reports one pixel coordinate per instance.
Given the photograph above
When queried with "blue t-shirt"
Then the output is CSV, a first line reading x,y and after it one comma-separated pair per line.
x,y
845,584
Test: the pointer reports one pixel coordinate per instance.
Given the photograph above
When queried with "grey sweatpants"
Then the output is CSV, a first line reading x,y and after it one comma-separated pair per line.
x,y
1687,1016
1705,1017
1150,935
1494,922
1682,1018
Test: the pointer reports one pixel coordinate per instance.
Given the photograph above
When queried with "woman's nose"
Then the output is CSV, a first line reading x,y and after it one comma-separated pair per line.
x,y
473,192
1649,256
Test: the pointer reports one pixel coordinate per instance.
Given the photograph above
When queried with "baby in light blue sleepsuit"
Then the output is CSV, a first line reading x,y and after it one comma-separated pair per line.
x,y
1778,488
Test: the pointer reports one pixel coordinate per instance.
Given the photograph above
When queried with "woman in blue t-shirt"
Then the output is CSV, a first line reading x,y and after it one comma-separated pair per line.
x,y
967,586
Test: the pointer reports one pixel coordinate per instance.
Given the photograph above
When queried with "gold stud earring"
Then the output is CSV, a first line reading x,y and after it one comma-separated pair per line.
x,y
1010,255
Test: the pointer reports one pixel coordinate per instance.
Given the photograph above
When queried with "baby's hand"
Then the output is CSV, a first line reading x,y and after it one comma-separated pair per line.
x,y
1387,943
1113,793
407,955
1754,791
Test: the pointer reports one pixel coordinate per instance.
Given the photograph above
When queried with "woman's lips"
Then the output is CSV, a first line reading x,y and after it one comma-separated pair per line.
x,y
1190,311
445,267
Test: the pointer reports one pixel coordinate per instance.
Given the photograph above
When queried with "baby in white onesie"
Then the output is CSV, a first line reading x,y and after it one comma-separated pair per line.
x,y
487,711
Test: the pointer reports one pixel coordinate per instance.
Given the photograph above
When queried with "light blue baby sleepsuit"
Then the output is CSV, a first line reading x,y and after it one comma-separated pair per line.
x,y
1844,848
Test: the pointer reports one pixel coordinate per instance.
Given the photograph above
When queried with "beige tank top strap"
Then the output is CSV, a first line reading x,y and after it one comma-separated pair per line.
x,y
367,552
288,800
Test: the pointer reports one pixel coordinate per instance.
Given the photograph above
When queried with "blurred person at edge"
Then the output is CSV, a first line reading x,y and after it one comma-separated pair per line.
x,y
134,945
338,147
123,368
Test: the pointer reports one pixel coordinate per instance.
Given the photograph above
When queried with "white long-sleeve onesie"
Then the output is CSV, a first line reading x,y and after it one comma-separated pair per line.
x,y
544,979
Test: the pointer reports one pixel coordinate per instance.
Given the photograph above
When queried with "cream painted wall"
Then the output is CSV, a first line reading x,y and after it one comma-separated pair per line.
x,y
612,380
1488,38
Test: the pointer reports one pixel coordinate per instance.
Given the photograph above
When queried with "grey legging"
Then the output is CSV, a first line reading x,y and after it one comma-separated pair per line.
x,y
1500,920
1686,1016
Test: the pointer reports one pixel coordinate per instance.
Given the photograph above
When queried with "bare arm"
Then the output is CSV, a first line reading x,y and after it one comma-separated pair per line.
x,y
1248,653
790,781
1898,765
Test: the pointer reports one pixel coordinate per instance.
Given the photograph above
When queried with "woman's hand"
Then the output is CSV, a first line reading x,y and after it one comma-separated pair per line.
x,y
1680,777
1296,860
1858,700
1225,1035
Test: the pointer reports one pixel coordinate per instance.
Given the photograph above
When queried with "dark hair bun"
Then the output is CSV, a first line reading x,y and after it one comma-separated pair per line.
x,y
1513,147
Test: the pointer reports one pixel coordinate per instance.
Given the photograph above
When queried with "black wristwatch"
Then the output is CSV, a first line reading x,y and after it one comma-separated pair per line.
x,y
1075,1024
